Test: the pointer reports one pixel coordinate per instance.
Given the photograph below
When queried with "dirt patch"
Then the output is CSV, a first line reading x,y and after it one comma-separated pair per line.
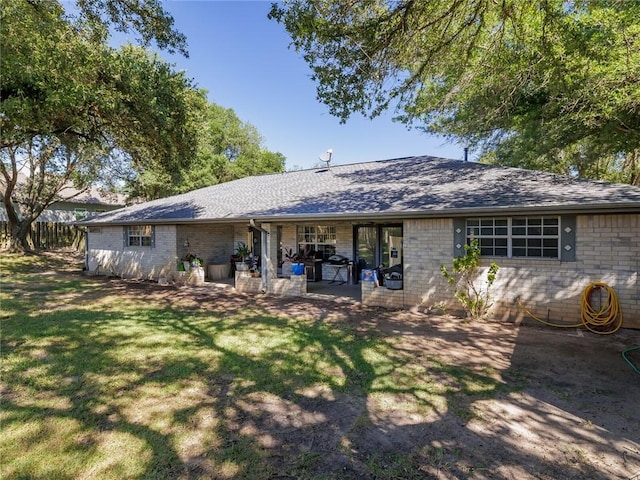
x,y
570,408
566,405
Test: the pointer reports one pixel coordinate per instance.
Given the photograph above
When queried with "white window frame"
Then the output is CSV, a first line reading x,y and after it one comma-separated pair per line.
x,y
140,236
316,238
505,231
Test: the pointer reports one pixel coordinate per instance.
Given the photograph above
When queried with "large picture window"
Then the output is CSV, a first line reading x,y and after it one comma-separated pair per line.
x,y
139,236
320,239
529,237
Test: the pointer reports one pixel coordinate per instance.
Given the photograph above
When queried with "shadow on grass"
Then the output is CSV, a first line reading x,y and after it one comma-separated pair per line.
x,y
167,384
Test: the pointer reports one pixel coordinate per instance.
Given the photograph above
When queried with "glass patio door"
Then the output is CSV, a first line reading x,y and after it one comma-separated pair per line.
x,y
391,246
377,245
365,248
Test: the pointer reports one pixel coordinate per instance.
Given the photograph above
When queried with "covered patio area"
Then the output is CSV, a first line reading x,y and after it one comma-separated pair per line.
x,y
321,289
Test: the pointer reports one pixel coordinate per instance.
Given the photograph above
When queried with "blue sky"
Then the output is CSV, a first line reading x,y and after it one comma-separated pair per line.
x,y
244,61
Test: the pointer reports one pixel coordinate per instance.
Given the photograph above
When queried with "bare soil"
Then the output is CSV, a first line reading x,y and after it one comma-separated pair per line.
x,y
572,409
575,413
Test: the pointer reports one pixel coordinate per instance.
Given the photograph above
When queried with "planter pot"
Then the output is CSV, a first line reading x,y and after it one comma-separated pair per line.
x,y
218,271
242,267
286,269
393,282
297,268
197,276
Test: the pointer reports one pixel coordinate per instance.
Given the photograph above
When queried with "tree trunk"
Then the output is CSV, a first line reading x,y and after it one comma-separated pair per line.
x,y
19,236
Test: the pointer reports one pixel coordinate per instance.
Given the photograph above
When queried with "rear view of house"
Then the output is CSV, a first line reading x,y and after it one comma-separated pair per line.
x,y
551,235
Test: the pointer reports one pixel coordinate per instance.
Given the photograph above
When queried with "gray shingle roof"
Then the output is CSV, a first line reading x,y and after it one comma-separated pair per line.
x,y
404,187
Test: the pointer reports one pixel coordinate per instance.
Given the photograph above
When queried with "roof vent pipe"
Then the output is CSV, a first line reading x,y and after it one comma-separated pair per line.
x,y
466,154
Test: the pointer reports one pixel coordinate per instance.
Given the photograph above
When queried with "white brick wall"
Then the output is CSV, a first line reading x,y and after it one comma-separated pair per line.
x,y
607,250
107,253
213,243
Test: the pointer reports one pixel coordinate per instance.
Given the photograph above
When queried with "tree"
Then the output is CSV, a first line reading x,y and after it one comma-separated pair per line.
x,y
73,109
147,18
525,83
226,149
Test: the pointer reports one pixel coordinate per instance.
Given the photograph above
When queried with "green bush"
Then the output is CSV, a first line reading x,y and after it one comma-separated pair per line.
x,y
464,276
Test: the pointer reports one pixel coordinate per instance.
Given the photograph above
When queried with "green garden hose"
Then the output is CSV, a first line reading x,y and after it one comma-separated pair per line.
x,y
624,355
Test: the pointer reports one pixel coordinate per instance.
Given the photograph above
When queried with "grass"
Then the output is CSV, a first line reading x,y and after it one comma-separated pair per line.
x,y
100,380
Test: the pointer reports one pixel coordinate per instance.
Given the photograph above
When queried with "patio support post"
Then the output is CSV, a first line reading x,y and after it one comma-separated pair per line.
x,y
265,260
266,267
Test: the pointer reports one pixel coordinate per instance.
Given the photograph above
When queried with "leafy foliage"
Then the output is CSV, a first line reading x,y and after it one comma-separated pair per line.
x,y
464,276
74,110
147,18
528,84
243,251
226,149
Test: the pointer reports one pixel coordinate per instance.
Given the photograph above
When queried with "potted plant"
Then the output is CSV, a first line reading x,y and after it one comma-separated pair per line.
x,y
193,264
243,252
297,265
191,260
195,261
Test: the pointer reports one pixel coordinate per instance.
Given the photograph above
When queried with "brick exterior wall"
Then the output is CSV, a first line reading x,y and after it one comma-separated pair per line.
x,y
213,243
607,249
372,294
295,286
107,253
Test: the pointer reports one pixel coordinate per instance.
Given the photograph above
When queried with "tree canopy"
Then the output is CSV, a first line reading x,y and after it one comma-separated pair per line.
x,y
72,107
545,84
75,111
226,149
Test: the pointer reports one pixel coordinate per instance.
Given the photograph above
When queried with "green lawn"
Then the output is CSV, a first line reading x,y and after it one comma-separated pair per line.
x,y
105,379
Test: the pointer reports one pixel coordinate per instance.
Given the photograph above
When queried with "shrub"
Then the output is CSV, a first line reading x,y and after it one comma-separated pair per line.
x,y
464,276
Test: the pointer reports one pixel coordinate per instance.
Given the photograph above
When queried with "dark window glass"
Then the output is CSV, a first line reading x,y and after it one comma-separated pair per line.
x,y
526,236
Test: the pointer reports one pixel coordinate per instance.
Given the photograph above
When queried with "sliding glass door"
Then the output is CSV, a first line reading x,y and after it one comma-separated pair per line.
x,y
377,245
366,247
391,246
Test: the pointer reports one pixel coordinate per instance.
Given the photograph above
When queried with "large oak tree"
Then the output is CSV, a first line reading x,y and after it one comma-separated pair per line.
x,y
73,109
544,84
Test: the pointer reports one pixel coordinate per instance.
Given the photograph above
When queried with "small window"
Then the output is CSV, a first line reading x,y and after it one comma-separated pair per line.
x,y
81,213
139,236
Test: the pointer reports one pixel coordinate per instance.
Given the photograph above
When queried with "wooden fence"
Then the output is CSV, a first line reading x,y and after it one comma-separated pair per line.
x,y
46,235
